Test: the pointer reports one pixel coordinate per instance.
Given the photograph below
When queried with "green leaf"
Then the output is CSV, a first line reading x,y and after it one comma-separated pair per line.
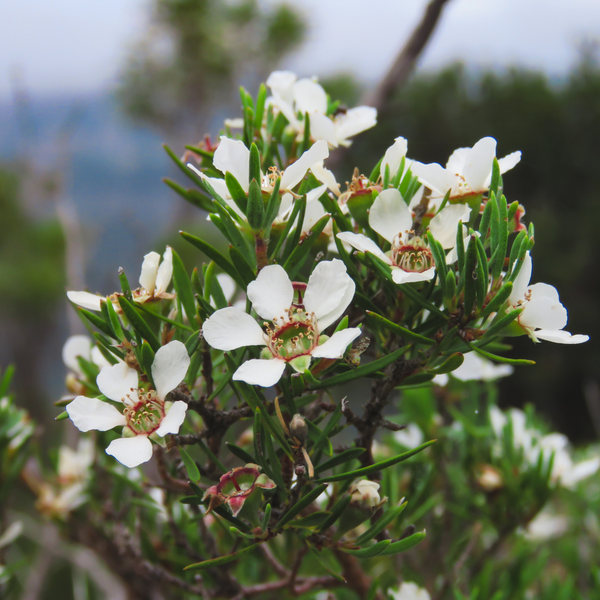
x,y
221,560
498,300
482,273
241,265
272,208
485,220
298,256
439,257
469,276
266,518
500,322
214,255
294,239
236,191
97,322
190,465
183,287
340,459
115,323
450,364
500,249
405,544
502,359
240,453
400,331
379,525
147,359
260,107
194,197
340,506
369,552
256,206
384,464
62,416
313,520
254,172
6,380
183,168
302,503
288,227
362,371
138,323
321,561
496,178
376,170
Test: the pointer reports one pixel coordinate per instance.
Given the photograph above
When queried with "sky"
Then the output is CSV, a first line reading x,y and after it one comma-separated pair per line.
x,y
62,47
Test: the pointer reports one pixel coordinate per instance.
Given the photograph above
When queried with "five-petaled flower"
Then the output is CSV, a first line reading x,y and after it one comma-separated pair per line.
x,y
295,317
468,172
145,414
236,486
154,281
294,98
543,316
410,257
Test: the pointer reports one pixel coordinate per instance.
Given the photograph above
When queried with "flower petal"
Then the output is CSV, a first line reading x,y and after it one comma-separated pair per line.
x,y
92,414
336,345
354,121
478,163
326,294
230,328
580,471
560,336
434,176
322,128
260,372
292,176
543,312
363,243
521,282
390,215
132,451
271,293
282,84
76,345
444,224
149,271
309,96
86,300
119,382
170,366
326,176
509,161
228,285
393,156
165,272
400,276
173,419
232,156
456,162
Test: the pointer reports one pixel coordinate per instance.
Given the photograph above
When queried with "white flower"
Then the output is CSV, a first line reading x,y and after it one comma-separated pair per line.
x,y
468,171
365,493
393,157
410,437
82,345
294,327
409,591
292,96
476,368
543,316
58,499
232,156
533,443
145,411
546,526
410,257
154,281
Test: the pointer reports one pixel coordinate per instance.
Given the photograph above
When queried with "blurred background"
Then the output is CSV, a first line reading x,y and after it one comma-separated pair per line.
x,y
90,91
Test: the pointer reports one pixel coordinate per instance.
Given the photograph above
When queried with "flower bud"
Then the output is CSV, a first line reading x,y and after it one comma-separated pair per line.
x,y
298,427
489,478
364,493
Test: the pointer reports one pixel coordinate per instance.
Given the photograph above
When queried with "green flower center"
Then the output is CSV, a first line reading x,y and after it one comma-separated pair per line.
x,y
146,415
413,256
297,335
